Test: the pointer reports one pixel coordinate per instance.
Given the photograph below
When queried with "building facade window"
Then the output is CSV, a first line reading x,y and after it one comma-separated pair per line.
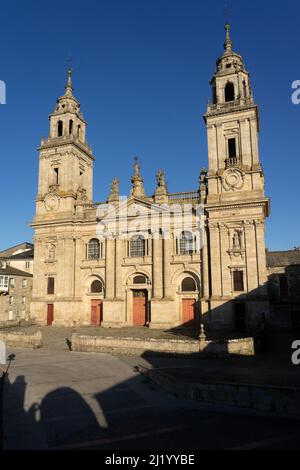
x,y
137,246
232,148
23,300
96,287
50,285
4,281
238,281
188,285
11,300
229,92
59,129
139,279
186,244
24,283
93,249
27,264
10,315
12,282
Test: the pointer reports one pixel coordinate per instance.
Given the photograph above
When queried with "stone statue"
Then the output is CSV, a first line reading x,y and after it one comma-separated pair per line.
x,y
236,241
160,178
52,251
136,167
137,181
114,190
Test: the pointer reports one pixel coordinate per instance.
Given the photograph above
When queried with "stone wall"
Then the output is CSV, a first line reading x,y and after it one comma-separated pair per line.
x,y
135,346
22,340
266,398
132,346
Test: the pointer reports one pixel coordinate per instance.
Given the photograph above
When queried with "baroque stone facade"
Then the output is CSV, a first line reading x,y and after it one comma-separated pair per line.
x,y
140,274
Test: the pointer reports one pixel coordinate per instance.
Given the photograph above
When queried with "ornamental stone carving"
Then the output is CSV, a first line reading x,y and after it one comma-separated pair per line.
x,y
51,202
232,179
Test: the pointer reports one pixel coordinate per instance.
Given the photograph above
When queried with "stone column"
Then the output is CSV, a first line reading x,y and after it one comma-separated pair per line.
x,y
68,259
118,269
245,143
109,268
261,255
167,267
225,274
254,141
212,147
251,259
157,266
215,260
205,274
79,256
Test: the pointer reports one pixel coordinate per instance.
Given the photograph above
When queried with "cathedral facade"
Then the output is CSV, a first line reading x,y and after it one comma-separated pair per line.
x,y
164,260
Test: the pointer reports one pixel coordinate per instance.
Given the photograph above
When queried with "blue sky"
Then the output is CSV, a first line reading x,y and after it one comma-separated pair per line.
x,y
141,72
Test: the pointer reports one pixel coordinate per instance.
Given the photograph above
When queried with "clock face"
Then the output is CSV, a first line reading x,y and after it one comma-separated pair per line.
x,y
51,202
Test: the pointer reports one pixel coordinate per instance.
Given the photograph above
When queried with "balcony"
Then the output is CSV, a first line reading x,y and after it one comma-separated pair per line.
x,y
230,105
232,162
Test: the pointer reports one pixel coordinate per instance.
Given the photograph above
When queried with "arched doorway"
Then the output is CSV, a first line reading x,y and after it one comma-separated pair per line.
x,y
96,303
189,302
139,307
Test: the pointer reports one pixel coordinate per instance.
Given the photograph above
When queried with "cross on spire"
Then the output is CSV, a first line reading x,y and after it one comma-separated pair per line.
x,y
69,88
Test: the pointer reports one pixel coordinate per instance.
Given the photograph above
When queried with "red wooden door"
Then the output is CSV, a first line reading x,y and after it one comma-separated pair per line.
x,y
139,308
50,314
189,312
96,312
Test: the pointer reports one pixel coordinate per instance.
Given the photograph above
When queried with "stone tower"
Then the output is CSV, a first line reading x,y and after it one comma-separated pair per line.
x,y
236,206
66,161
65,185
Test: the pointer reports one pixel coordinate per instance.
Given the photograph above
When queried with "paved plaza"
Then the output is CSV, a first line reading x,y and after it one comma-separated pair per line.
x,y
57,399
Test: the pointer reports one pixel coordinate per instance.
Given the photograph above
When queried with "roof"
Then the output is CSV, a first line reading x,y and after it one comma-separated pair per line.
x,y
283,258
24,255
10,251
9,271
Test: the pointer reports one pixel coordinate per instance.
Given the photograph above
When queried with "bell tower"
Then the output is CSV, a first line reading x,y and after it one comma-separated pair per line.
x,y
236,205
65,161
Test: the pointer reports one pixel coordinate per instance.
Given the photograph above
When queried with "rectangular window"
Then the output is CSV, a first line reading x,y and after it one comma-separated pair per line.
x,y
27,264
12,282
238,281
24,283
231,148
283,285
10,315
23,300
4,280
11,300
50,286
56,175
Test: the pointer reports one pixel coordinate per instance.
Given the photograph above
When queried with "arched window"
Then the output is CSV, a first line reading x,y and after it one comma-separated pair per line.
x,y
140,279
186,243
244,89
78,131
70,126
137,246
96,287
93,249
229,92
188,285
59,129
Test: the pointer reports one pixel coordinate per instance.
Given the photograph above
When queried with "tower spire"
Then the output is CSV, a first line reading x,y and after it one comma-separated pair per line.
x,y
69,88
228,42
